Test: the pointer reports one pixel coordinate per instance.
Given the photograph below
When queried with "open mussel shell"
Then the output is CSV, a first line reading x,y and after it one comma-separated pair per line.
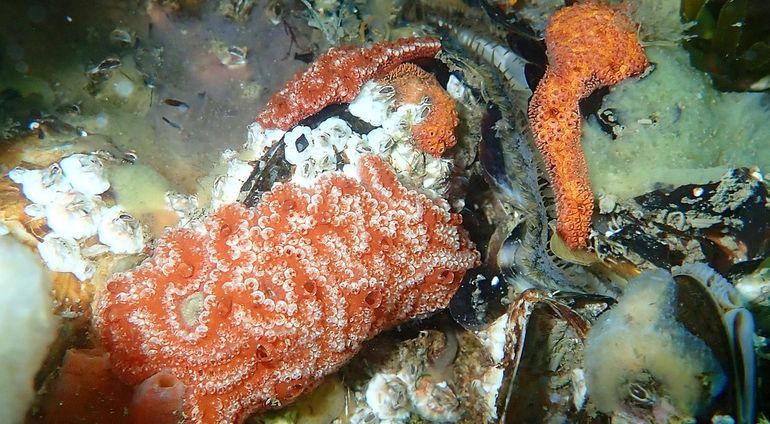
x,y
271,168
694,222
715,314
699,312
546,340
541,390
546,371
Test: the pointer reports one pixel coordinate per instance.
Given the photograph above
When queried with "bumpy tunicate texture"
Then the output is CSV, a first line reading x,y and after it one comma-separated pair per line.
x,y
337,77
590,45
259,306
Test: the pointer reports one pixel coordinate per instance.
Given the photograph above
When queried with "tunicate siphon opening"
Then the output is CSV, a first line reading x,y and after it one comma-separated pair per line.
x,y
293,390
185,270
373,299
309,287
165,381
446,277
262,353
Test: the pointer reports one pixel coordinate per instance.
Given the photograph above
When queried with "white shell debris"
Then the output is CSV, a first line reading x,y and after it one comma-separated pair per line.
x,y
579,389
85,173
120,231
62,254
259,140
493,338
435,401
387,395
456,89
186,207
488,388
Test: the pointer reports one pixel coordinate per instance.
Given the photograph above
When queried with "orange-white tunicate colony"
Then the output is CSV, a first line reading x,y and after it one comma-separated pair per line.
x,y
258,307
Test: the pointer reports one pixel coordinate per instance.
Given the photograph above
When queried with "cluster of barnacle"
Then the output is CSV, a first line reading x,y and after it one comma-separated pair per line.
x,y
374,126
67,195
416,379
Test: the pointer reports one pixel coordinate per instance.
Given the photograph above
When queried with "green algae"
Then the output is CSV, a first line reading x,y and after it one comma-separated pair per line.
x,y
731,41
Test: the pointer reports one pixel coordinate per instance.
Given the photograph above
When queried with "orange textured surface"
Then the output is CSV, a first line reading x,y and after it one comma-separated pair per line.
x,y
85,392
256,309
337,76
436,133
157,400
589,45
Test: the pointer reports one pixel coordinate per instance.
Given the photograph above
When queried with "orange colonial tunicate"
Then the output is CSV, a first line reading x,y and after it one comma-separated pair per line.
x,y
157,400
589,45
436,132
286,294
85,391
337,76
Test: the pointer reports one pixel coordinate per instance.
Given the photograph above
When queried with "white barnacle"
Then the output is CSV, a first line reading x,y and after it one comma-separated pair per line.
x,y
261,139
298,144
85,173
42,186
372,103
228,187
387,396
75,216
334,132
435,401
120,231
62,254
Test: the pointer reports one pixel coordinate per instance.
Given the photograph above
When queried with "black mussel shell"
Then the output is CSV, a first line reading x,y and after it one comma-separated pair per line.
x,y
480,299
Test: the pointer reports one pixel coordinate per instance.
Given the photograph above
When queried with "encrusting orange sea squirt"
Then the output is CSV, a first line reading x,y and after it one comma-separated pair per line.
x,y
589,45
436,132
337,76
265,302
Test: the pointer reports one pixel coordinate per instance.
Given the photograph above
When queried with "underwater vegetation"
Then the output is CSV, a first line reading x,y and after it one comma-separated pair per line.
x,y
731,41
374,211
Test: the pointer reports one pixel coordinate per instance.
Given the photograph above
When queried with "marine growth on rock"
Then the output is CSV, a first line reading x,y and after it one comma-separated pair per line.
x,y
436,132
